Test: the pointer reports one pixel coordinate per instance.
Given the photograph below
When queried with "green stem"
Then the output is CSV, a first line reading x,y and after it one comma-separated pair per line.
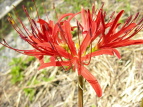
x,y
80,91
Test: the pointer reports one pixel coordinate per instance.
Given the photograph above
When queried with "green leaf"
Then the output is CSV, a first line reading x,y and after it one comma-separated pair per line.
x,y
48,79
29,92
36,82
93,106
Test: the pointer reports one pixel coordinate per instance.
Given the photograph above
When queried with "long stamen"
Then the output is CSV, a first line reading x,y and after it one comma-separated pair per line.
x,y
90,48
54,48
136,29
32,23
111,16
15,26
36,9
78,32
20,21
6,45
79,43
62,33
55,10
45,11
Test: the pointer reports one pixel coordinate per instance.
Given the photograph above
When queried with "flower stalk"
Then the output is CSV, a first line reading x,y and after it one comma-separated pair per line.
x,y
80,91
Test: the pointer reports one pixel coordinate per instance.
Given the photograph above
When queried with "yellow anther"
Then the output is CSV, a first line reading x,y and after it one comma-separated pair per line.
x,y
94,49
24,8
12,21
31,8
65,46
9,15
77,45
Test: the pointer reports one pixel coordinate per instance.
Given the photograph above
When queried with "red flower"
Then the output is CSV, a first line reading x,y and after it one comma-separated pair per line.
x,y
56,40
111,33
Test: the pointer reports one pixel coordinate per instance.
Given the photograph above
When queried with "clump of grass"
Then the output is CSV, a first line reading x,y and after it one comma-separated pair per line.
x,y
18,65
30,92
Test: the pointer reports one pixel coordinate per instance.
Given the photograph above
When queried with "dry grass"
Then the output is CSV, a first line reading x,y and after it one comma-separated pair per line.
x,y
120,79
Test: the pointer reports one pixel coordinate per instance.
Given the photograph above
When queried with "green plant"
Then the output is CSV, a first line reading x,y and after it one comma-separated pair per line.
x,y
30,92
17,74
47,79
33,81
93,106
17,68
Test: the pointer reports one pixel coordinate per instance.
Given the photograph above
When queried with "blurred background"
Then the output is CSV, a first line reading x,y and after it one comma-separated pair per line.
x,y
22,85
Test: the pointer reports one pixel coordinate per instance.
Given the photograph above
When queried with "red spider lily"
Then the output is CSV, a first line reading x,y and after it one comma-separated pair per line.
x,y
56,40
111,33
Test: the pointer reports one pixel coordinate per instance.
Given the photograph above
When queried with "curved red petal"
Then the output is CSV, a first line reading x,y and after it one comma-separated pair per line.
x,y
92,80
107,51
56,63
